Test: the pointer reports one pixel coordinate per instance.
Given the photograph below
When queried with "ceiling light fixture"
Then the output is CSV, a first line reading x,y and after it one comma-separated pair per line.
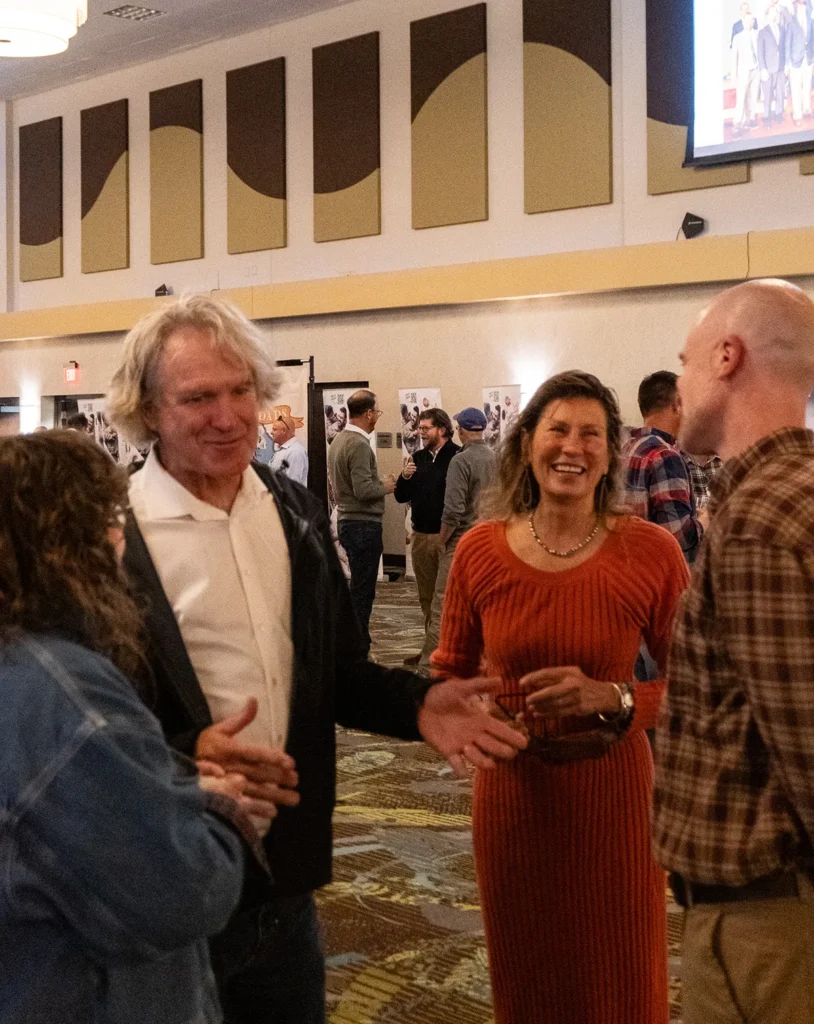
x,y
38,28
132,13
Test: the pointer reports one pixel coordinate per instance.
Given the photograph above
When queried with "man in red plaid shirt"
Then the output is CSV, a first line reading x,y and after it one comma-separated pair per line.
x,y
734,795
658,485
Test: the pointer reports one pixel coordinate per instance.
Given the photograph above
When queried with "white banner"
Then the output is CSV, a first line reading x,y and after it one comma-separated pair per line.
x,y
292,403
119,449
412,402
501,407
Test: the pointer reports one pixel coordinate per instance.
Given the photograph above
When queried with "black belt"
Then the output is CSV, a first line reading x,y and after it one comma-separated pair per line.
x,y
770,887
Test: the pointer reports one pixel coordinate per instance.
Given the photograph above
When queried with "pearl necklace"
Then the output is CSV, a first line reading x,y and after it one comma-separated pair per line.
x,y
571,551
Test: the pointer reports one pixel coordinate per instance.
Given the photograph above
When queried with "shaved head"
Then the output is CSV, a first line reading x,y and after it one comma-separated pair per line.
x,y
775,321
751,353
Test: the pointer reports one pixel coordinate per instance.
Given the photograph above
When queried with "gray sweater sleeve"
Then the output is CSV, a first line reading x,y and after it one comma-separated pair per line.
x,y
456,493
364,477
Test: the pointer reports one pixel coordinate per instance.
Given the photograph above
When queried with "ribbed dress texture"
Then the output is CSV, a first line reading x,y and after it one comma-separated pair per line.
x,y
573,902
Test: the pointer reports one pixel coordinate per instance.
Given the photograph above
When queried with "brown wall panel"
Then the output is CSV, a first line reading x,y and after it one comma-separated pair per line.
x,y
41,200
176,173
105,188
347,188
568,140
256,157
449,133
669,104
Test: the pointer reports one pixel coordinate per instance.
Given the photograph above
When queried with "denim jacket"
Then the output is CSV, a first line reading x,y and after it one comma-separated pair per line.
x,y
112,870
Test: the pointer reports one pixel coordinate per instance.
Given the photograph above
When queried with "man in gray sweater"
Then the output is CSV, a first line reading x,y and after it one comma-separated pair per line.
x,y
359,496
470,473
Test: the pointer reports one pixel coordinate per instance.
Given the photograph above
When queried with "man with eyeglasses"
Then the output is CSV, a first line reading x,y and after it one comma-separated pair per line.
x,y
422,483
359,494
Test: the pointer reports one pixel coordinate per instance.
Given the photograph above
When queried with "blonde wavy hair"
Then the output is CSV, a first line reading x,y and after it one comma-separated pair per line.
x,y
135,384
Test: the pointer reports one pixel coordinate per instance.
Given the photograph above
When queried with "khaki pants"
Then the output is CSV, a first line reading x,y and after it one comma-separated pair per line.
x,y
751,962
437,610
426,551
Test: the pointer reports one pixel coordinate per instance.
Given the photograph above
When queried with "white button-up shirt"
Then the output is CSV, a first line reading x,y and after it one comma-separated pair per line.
x,y
227,577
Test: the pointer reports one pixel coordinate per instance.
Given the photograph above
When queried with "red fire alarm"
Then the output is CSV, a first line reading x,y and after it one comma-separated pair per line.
x,y
70,372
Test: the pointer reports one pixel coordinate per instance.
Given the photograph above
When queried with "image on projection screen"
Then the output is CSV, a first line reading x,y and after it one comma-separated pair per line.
x,y
753,81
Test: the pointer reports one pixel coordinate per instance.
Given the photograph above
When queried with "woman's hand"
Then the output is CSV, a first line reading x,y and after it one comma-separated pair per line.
x,y
215,779
558,692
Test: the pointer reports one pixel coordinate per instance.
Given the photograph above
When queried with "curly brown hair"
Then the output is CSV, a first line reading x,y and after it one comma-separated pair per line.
x,y
517,490
60,494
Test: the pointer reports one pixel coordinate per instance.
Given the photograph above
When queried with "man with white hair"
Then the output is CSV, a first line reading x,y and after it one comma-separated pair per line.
x,y
734,799
254,648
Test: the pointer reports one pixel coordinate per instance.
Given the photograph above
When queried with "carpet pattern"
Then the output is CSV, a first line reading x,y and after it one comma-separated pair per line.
x,y
402,926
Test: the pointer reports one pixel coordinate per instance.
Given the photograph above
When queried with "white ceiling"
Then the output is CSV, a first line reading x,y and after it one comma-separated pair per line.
x,y
107,44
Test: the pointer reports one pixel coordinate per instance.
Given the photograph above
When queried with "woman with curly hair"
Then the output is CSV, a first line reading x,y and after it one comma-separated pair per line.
x,y
115,864
555,594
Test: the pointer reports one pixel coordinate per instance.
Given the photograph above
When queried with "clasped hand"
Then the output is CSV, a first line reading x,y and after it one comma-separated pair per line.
x,y
566,690
260,778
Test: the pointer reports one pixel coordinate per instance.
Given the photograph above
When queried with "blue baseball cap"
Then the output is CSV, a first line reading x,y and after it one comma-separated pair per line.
x,y
470,419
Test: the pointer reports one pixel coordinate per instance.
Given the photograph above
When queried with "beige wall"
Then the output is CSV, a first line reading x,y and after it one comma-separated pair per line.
x,y
776,197
620,337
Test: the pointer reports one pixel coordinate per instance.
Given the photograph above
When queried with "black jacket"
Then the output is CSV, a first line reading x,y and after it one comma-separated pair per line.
x,y
425,488
332,681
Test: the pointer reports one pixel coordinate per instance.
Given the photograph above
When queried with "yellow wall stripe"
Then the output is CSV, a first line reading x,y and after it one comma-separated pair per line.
x,y
714,259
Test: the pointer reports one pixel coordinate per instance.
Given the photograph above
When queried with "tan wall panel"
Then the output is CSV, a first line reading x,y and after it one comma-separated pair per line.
x,y
64,321
568,145
176,195
106,226
807,164
712,260
41,262
666,150
353,212
243,298
449,151
255,221
788,253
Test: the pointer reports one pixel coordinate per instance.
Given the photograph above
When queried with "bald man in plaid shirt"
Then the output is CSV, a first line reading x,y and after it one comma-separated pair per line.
x,y
734,798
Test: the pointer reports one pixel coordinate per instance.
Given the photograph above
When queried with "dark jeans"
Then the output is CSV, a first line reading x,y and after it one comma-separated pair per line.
x,y
362,541
284,981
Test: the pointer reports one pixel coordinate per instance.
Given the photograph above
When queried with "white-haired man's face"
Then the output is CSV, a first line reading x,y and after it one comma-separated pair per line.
x,y
206,413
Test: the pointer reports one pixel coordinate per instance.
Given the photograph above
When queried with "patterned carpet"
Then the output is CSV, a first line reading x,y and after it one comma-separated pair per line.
x,y
402,925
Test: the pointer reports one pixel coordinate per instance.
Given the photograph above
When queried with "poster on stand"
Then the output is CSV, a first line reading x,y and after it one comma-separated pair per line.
x,y
119,449
291,403
501,407
412,402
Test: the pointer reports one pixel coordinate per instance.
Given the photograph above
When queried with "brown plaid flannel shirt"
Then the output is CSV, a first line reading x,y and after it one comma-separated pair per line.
x,y
734,793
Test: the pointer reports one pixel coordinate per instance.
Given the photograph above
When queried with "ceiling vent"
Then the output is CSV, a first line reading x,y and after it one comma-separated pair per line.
x,y
132,13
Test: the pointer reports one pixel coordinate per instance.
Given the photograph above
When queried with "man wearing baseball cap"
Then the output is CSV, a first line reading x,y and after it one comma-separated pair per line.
x,y
470,473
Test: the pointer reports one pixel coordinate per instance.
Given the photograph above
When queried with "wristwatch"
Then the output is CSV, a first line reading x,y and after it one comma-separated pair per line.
x,y
622,718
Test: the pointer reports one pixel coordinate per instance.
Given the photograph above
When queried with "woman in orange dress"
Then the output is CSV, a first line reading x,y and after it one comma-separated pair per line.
x,y
555,594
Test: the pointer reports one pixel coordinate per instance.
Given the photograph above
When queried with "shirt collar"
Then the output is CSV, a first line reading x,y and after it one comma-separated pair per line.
x,y
786,441
286,444
157,495
639,432
358,430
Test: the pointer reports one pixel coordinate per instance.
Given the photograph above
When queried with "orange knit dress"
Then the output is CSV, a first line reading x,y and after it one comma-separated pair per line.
x,y
573,902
